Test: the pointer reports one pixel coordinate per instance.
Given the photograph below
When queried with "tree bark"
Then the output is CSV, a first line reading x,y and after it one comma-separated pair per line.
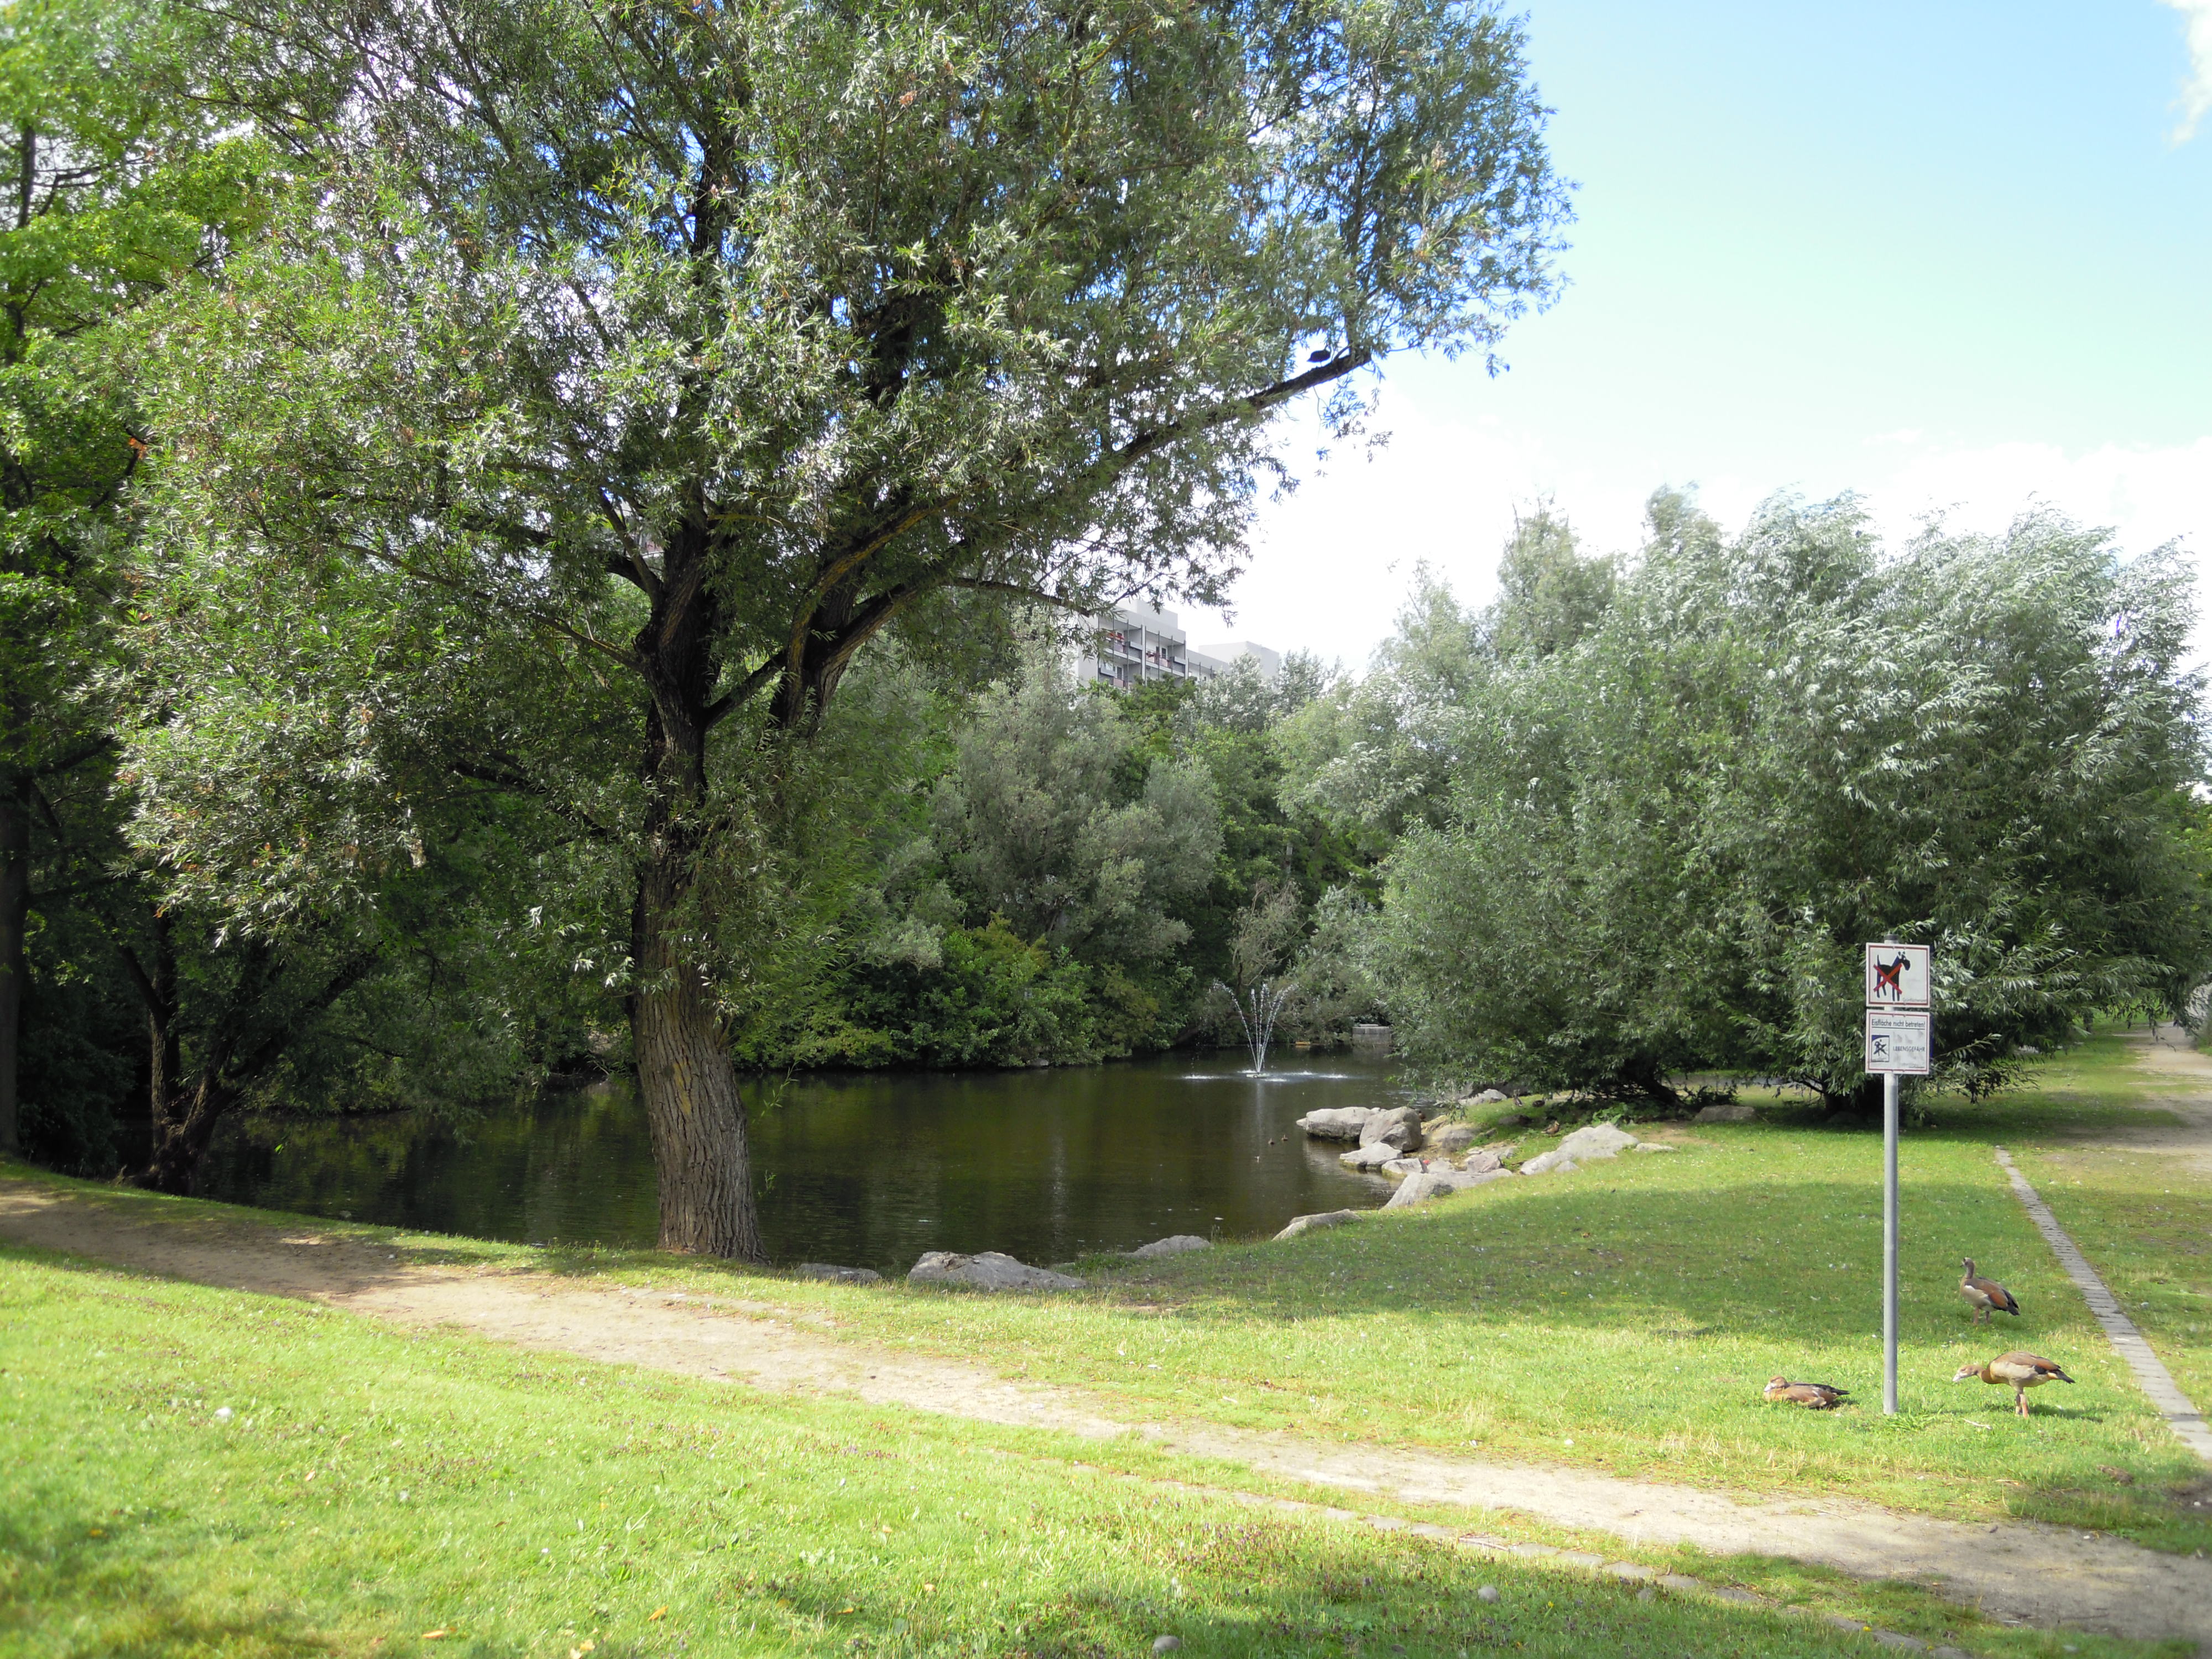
x,y
15,917
164,1065
181,1134
685,1076
688,1084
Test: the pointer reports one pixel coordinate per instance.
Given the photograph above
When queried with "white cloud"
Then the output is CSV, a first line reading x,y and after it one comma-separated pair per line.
x,y
1332,564
2197,91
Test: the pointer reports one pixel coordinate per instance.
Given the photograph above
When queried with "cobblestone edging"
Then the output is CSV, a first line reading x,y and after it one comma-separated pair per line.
x,y
2186,1421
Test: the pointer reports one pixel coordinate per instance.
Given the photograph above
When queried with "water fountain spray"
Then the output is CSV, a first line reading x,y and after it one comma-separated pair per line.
x,y
1259,1024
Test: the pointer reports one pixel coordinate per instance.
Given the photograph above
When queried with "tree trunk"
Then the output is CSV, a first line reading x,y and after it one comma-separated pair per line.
x,y
685,1076
690,1086
15,916
164,1066
184,1124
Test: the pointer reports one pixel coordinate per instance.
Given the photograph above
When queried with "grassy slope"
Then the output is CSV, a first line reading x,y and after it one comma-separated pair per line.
x,y
374,1488
1623,1316
1626,1315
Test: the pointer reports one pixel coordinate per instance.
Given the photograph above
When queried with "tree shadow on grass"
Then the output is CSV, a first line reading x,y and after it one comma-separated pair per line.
x,y
66,1581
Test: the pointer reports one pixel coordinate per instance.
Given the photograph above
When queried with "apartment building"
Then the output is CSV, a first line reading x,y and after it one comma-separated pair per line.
x,y
1135,644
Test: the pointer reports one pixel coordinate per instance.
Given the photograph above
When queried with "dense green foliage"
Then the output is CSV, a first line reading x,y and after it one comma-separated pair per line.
x,y
116,195
1683,795
550,560
1059,874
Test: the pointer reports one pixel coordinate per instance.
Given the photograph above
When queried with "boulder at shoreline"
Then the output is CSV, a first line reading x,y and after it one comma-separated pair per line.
x,y
1399,1126
992,1270
836,1275
1306,1224
1440,1183
1454,1139
1368,1157
1337,1123
1174,1245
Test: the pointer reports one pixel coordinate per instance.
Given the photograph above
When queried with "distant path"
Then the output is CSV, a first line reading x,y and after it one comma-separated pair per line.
x,y
2017,1570
2183,1085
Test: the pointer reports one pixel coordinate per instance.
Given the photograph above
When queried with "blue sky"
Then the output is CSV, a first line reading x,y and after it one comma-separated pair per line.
x,y
1955,258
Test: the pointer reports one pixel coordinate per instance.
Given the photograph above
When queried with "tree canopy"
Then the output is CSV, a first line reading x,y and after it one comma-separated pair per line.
x,y
1669,834
678,351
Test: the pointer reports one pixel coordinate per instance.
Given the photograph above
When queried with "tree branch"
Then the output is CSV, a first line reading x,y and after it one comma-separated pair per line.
x,y
236,1076
984,585
76,756
507,776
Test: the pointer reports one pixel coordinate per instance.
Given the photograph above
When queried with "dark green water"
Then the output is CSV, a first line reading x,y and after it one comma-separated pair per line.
x,y
866,1168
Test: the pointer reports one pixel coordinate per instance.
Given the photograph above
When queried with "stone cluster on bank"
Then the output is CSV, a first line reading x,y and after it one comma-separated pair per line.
x,y
1396,1141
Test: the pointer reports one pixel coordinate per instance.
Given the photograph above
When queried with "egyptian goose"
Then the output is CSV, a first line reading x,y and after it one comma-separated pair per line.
x,y
1983,1294
1813,1396
2017,1371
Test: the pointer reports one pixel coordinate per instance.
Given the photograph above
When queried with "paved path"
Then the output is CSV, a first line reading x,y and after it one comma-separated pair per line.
x,y
2020,1572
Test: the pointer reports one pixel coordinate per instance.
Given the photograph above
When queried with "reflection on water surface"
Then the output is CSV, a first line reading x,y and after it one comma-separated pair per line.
x,y
869,1169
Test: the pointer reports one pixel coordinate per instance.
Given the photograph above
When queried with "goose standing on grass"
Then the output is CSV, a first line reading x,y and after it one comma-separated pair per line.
x,y
1813,1396
2017,1371
1983,1294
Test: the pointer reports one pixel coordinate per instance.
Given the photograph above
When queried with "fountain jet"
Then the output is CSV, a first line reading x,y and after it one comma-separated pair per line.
x,y
1258,1023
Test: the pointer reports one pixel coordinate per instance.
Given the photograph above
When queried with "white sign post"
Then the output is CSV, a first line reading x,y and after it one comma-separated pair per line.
x,y
1899,1043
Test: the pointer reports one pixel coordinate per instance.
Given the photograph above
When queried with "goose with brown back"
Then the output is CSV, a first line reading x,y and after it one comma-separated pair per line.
x,y
1983,1294
2017,1371
1813,1396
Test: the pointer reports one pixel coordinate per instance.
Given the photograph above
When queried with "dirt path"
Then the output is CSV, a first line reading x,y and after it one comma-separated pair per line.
x,y
2177,1076
2022,1572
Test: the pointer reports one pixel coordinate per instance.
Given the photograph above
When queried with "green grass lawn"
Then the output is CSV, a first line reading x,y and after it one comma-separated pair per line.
x,y
1626,1315
373,1492
1622,1317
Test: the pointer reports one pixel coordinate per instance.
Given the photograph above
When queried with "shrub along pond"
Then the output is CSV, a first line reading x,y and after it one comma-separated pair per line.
x,y
869,1169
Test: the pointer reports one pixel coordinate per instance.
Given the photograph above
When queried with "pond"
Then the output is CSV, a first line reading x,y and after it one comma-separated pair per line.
x,y
867,1168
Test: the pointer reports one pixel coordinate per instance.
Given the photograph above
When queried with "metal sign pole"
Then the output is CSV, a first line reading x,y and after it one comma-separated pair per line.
x,y
1889,1243
1899,1038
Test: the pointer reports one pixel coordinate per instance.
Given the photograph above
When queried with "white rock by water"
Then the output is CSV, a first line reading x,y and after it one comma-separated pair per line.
x,y
1439,1183
1368,1157
1174,1245
1453,1138
993,1270
1306,1224
837,1275
1399,1126
1337,1123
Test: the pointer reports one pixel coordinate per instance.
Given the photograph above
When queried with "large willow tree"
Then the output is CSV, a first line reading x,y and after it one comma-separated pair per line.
x,y
692,346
